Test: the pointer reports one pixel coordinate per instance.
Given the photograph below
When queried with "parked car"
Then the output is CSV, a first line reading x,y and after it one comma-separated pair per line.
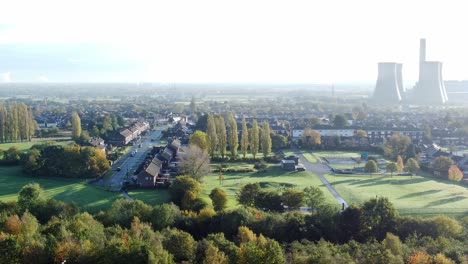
x,y
119,169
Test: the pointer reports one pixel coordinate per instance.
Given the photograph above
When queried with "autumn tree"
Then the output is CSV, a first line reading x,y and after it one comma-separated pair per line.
x,y
212,134
311,137
219,199
200,139
214,256
254,139
248,193
76,126
266,139
454,173
184,191
244,138
400,164
233,136
194,162
221,135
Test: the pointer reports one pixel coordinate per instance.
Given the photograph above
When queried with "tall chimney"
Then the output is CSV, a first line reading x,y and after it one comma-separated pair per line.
x,y
422,56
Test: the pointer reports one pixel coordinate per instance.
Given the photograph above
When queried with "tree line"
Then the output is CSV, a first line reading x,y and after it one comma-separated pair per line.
x,y
37,229
65,161
16,122
219,134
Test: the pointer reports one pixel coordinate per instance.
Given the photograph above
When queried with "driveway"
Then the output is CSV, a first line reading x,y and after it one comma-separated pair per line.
x,y
128,164
320,169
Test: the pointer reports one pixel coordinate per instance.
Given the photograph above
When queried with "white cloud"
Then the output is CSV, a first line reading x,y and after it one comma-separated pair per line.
x,y
6,77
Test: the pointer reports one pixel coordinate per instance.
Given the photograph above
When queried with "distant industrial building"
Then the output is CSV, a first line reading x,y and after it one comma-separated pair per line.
x,y
430,88
389,86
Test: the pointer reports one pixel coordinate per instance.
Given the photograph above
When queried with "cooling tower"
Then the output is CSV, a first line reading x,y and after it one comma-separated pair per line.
x,y
401,88
387,89
430,88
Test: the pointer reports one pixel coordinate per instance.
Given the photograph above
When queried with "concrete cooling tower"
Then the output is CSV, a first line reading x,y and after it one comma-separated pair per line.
x,y
387,88
430,88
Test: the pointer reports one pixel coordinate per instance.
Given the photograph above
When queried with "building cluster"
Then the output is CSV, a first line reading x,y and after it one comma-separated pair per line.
x,y
126,135
158,167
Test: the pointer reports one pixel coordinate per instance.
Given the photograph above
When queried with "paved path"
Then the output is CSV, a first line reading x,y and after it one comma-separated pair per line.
x,y
320,169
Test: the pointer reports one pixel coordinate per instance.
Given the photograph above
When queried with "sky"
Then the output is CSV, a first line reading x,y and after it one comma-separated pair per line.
x,y
333,41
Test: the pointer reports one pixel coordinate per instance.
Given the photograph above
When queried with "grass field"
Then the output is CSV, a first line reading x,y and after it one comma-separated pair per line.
x,y
76,191
28,144
151,196
417,195
273,178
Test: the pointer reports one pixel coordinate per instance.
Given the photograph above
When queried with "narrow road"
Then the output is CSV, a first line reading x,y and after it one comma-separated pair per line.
x,y
128,163
320,169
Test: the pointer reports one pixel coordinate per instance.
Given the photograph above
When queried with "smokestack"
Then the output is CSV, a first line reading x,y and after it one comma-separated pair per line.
x,y
422,55
386,88
399,70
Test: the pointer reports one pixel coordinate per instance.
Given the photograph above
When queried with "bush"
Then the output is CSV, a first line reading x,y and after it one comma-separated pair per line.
x,y
261,165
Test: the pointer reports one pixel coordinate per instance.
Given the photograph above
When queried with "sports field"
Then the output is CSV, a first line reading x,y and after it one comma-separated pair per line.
x,y
28,144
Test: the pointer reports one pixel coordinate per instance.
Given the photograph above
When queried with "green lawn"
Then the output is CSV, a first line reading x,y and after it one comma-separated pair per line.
x,y
28,144
151,196
87,197
273,178
417,195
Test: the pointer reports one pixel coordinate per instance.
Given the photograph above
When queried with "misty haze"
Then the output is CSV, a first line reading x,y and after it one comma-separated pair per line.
x,y
233,132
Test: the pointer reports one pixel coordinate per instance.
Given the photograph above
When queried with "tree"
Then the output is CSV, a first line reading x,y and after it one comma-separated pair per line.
x,y
371,167
419,257
412,166
340,121
393,244
269,201
29,196
378,217
200,139
76,126
311,137
411,151
313,197
254,139
194,162
361,134
244,138
211,133
279,141
32,162
12,155
219,198
392,167
293,199
214,256
454,173
396,145
221,135
180,244
399,162
248,194
441,165
233,136
185,189
266,139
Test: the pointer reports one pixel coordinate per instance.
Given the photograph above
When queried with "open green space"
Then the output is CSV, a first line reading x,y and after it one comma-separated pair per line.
x,y
28,144
76,191
273,178
150,196
410,195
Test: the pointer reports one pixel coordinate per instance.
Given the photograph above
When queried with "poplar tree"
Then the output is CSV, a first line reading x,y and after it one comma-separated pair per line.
x,y
233,137
3,123
244,138
221,135
266,139
254,139
211,133
76,126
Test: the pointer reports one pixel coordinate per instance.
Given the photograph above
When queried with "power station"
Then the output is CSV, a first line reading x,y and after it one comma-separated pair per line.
x,y
429,89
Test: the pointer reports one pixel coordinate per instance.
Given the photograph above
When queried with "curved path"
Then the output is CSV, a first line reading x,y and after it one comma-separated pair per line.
x,y
320,169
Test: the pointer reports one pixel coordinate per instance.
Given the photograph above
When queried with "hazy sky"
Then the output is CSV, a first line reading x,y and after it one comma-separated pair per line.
x,y
228,41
